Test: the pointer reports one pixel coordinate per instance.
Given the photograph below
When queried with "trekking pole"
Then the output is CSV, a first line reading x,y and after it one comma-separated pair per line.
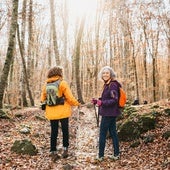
x,y
96,114
78,128
98,132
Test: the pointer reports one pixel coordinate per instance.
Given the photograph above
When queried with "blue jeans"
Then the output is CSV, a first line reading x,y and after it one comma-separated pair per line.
x,y
108,123
54,133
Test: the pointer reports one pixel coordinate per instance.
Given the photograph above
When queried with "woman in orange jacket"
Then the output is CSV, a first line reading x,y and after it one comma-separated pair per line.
x,y
59,113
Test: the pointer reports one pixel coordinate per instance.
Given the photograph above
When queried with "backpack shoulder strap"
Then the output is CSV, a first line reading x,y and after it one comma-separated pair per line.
x,y
112,82
57,82
118,87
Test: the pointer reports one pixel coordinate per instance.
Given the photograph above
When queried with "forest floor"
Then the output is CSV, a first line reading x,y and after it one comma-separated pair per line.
x,y
83,144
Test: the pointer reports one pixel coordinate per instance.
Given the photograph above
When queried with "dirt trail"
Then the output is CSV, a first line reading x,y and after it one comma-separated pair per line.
x,y
83,142
87,135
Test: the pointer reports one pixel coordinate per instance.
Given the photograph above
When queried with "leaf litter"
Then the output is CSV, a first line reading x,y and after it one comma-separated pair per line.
x,y
83,147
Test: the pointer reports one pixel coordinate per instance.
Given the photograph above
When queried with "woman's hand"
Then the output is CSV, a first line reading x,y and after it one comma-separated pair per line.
x,y
99,103
94,101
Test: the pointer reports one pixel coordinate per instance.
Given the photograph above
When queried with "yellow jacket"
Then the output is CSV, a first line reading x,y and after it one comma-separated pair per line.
x,y
59,111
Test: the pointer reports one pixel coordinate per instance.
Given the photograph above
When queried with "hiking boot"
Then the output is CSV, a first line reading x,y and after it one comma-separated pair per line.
x,y
54,156
114,157
100,159
65,153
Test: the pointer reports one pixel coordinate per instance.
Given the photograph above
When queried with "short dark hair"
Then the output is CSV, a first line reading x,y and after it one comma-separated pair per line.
x,y
55,71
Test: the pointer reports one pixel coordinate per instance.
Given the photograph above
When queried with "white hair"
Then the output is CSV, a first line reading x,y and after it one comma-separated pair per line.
x,y
112,73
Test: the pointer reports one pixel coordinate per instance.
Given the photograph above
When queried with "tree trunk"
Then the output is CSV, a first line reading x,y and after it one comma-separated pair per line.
x,y
23,101
77,60
168,79
56,51
10,50
30,40
110,37
25,70
146,96
155,71
99,15
65,19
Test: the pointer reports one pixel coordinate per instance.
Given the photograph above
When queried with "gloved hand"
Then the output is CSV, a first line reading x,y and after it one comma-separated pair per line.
x,y
99,103
94,101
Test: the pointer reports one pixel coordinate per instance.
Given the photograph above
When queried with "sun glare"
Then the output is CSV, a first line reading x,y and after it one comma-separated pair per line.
x,y
78,8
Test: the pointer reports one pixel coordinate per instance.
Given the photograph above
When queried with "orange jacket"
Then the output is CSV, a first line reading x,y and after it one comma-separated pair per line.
x,y
59,111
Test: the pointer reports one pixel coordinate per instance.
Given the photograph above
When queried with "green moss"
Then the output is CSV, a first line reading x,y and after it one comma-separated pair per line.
x,y
129,131
166,135
147,122
4,114
167,111
135,144
24,147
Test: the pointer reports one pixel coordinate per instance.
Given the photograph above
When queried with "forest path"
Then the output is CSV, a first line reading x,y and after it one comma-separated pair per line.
x,y
87,135
83,147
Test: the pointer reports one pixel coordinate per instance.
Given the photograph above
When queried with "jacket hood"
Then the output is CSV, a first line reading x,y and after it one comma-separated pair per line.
x,y
52,79
118,84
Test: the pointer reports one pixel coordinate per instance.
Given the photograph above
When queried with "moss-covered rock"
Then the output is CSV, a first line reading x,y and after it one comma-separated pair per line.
x,y
146,122
4,114
135,144
24,147
129,131
167,111
148,139
19,115
155,106
155,113
166,134
41,118
129,110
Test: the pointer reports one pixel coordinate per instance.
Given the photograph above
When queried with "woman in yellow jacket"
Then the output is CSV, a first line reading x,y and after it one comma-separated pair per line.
x,y
59,113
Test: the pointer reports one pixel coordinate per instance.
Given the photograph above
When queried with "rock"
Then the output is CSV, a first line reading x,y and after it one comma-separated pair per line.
x,y
146,122
129,131
148,139
67,167
25,130
4,114
167,111
166,135
24,147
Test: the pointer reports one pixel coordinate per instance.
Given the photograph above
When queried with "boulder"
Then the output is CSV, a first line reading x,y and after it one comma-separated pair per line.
x,y
24,147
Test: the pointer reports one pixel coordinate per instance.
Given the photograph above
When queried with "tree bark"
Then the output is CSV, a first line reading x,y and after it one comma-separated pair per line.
x,y
23,101
56,51
30,41
65,20
77,60
25,70
10,50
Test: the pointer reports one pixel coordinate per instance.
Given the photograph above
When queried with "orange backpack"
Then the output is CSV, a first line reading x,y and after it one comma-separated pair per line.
x,y
122,97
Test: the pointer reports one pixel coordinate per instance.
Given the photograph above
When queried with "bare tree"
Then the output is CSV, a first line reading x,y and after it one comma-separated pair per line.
x,y
10,50
65,19
77,59
165,24
99,15
53,25
24,68
131,37
30,40
23,98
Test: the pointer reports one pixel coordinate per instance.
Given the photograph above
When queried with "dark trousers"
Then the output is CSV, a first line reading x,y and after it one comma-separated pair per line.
x,y
54,133
108,123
